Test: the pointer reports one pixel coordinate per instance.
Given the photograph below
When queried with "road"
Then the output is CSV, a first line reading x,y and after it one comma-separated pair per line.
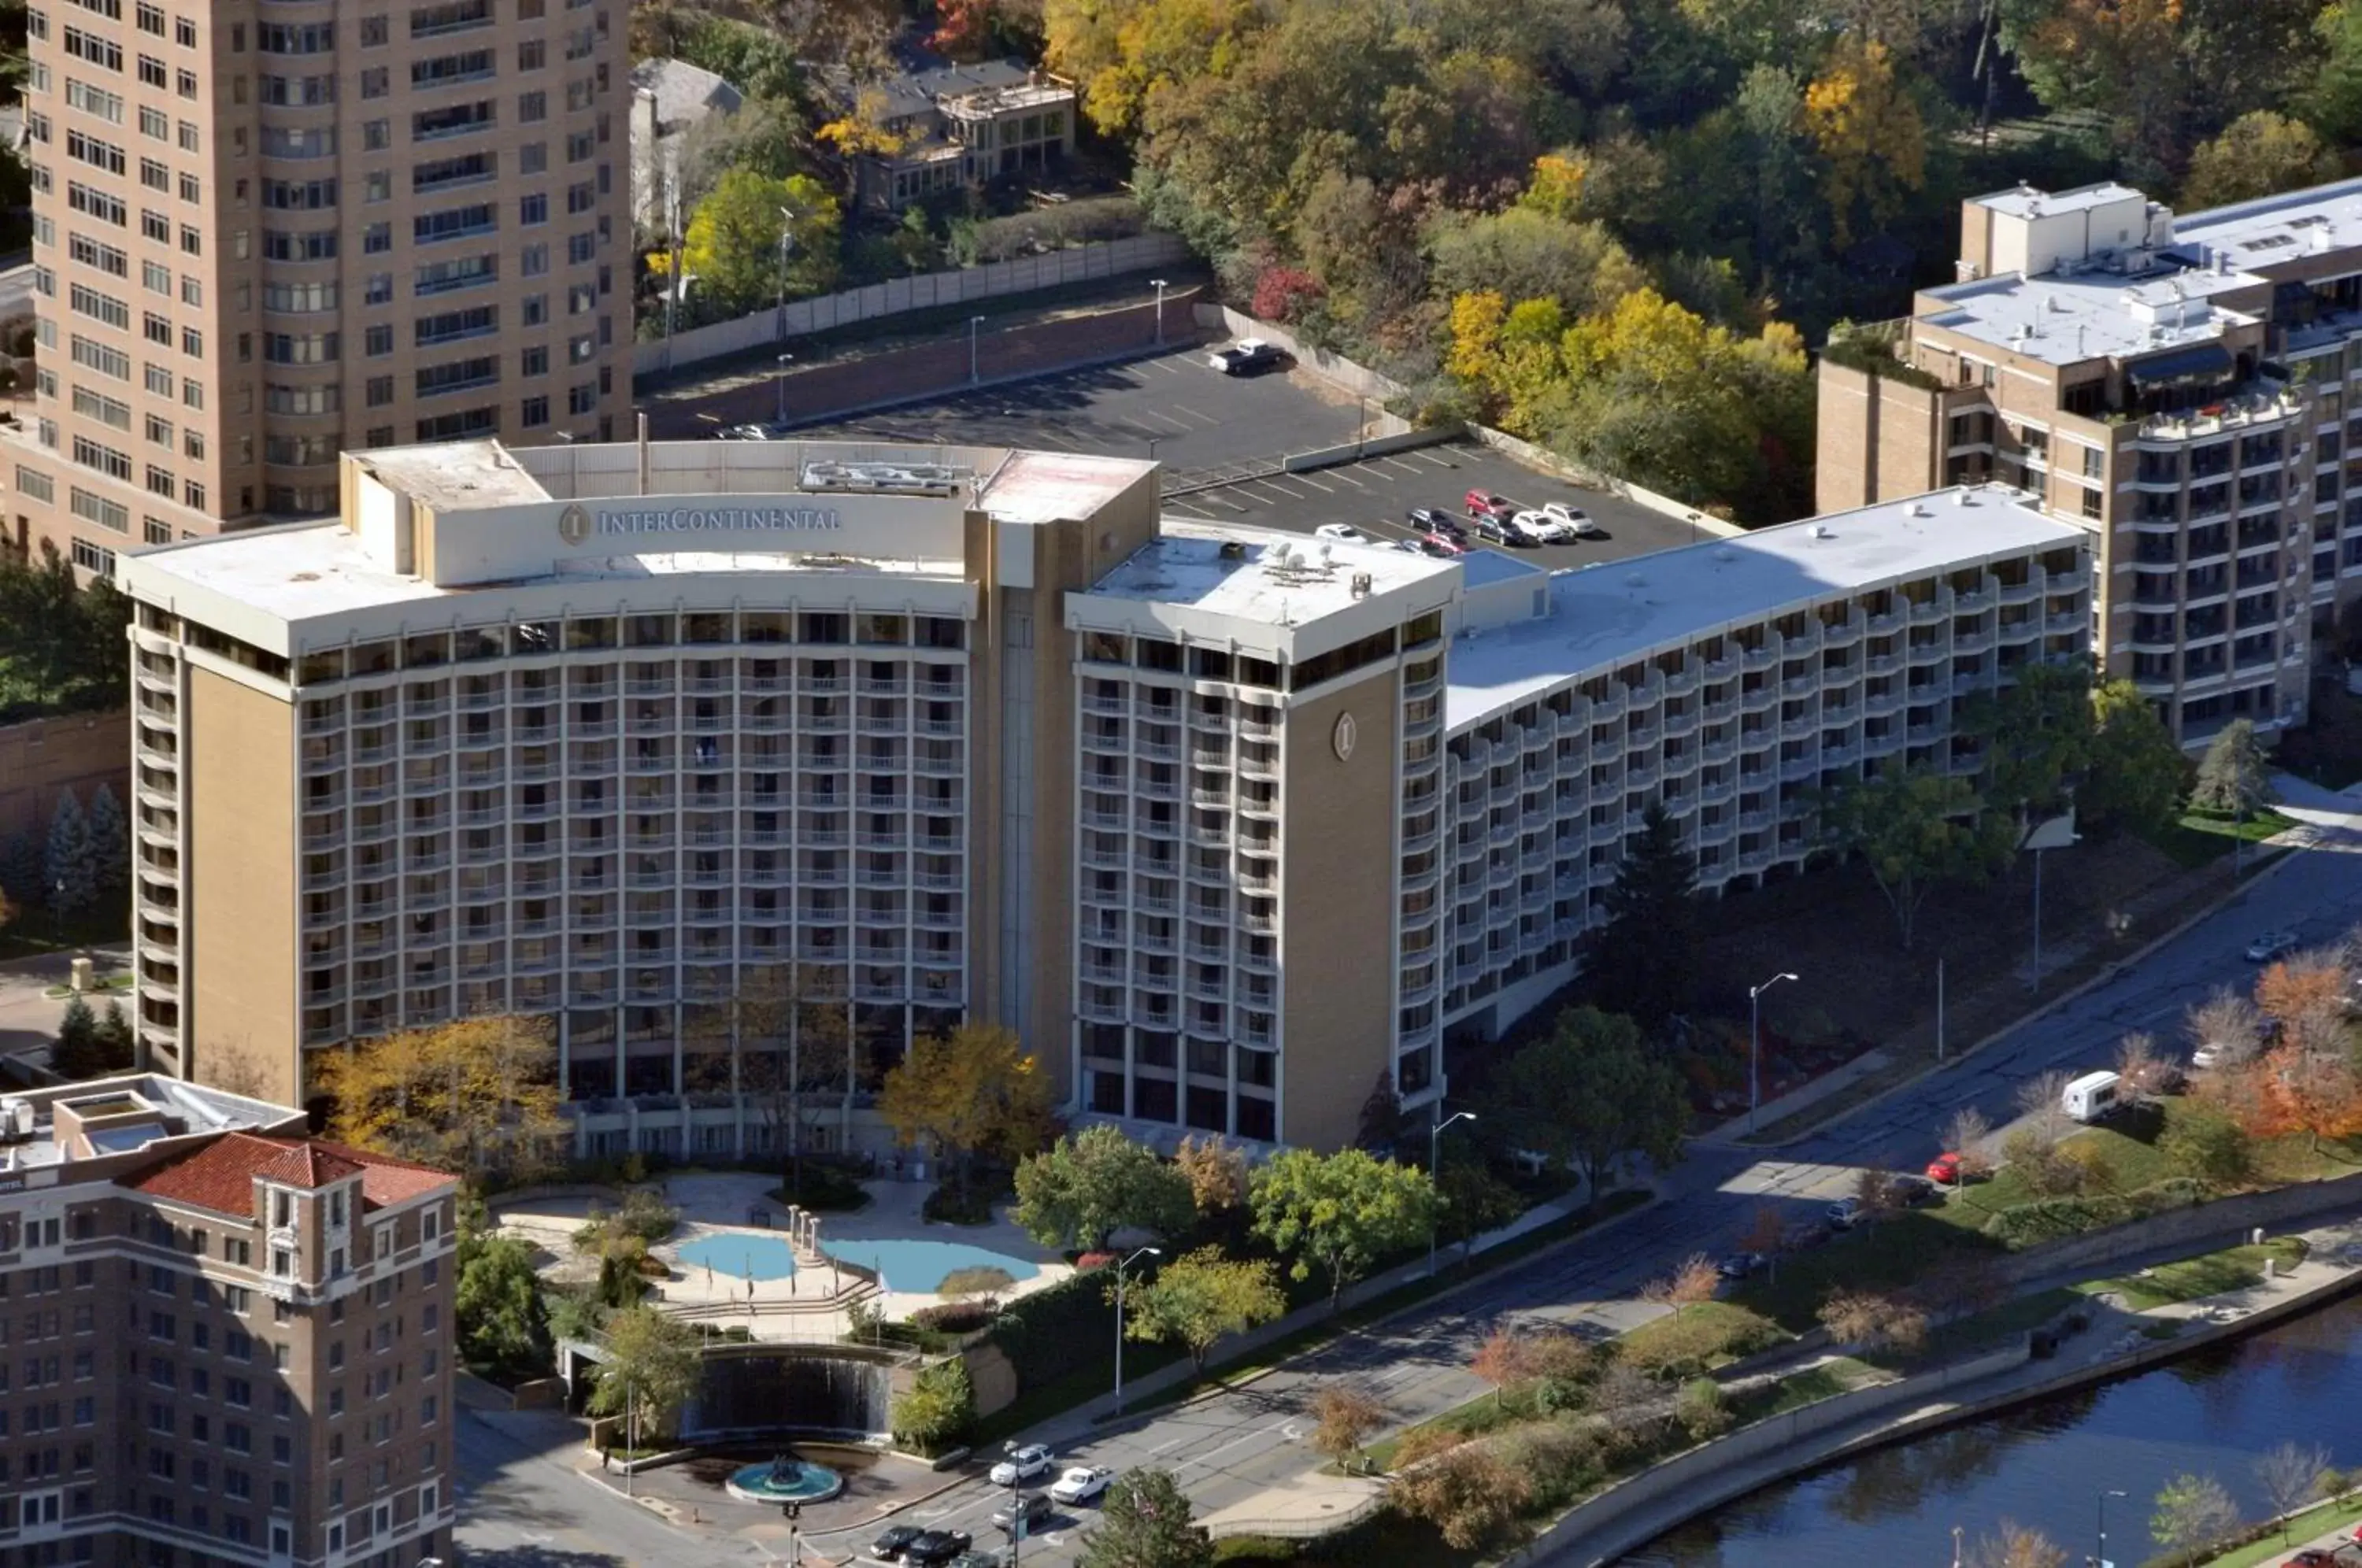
x,y
524,1512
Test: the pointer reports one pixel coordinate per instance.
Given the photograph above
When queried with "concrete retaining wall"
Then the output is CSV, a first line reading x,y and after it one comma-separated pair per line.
x,y
2313,1202
1376,446
1543,458
1355,378
1024,274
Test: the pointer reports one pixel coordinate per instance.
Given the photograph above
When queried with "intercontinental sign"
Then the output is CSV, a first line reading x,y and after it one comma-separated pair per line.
x,y
576,523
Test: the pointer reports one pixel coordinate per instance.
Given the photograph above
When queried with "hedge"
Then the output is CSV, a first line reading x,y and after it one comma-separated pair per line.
x,y
2054,1219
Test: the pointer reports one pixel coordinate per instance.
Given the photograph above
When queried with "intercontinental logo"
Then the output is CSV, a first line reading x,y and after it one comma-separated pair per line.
x,y
577,523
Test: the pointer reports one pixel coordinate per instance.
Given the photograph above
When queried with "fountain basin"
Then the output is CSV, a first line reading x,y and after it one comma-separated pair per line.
x,y
784,1480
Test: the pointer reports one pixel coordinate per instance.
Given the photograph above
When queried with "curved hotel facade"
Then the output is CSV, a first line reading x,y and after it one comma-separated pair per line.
x,y
1224,823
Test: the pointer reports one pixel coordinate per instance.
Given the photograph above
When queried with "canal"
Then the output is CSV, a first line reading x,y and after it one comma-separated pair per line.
x,y
2045,1465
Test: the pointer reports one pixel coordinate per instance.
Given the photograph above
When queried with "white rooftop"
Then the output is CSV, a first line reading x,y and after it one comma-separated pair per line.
x,y
452,475
2064,320
2276,228
1605,617
186,1109
2025,200
1264,576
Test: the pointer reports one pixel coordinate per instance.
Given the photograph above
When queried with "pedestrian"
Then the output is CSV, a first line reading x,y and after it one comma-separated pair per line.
x,y
602,1459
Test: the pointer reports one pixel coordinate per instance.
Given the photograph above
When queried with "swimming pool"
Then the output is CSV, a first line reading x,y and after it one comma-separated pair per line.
x,y
918,1267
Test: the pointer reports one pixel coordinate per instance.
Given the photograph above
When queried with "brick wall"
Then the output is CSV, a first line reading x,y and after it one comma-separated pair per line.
x,y
933,369
42,758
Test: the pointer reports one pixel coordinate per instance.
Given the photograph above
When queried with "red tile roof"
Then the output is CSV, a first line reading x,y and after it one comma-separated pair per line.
x,y
221,1176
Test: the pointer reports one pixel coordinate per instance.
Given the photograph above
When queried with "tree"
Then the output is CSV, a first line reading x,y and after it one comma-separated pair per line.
x,y
1469,1493
110,843
2334,102
2204,1140
479,1096
2292,1475
2042,1100
1382,1119
1767,1234
1504,1359
1084,1188
1591,1093
2234,778
2299,1089
1915,828
1341,1212
2306,995
2259,154
974,1090
2037,734
1204,1296
502,1316
1872,136
733,243
1873,1321
1215,1171
2138,1064
2135,773
1691,1280
1965,1134
1145,1523
21,867
73,1053
2227,1026
1344,1420
938,1409
2017,1546
117,1047
69,873
1644,961
1474,1199
2192,1513
650,1372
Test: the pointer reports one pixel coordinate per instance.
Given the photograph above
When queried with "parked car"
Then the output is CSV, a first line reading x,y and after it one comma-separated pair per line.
x,y
1911,1192
1344,533
1022,1464
1022,1519
2270,945
1481,503
930,1548
1946,1168
987,1559
1081,1484
2312,1557
1845,1213
1739,1266
1545,528
889,1546
1442,546
1436,519
1244,357
1573,517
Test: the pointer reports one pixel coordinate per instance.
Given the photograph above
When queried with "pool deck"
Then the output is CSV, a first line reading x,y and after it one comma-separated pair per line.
x,y
717,1203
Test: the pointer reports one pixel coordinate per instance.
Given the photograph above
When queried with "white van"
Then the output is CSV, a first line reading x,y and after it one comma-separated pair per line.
x,y
2093,1097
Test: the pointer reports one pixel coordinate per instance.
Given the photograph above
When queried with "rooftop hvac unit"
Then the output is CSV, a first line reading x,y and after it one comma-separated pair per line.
x,y
16,1120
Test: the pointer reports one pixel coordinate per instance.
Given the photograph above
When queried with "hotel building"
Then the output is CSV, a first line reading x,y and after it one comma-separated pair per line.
x,y
2176,386
1225,824
231,1342
352,227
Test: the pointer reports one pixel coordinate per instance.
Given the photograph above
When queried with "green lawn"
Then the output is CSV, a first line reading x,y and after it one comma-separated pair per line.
x,y
2198,837
2193,1278
2314,1521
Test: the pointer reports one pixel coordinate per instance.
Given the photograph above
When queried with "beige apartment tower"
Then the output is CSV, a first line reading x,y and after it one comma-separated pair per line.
x,y
2180,386
267,233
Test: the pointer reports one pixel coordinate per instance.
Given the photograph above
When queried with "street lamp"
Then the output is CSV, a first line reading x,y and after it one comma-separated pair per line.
x,y
973,322
1755,1044
1435,1169
1152,1252
786,240
1016,1519
782,414
1159,285
2101,1560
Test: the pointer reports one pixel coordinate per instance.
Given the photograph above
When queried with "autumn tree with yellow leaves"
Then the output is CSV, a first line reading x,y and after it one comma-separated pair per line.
x,y
975,1090
478,1096
1872,136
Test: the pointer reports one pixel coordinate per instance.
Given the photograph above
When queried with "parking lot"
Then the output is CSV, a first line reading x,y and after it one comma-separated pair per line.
x,y
1203,426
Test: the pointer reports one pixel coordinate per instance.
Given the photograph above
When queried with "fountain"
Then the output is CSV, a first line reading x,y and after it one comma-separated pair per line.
x,y
785,1479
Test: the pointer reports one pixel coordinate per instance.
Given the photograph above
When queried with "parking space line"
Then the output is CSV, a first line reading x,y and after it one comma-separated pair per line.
x,y
1394,462
1180,424
1346,476
1307,478
1426,456
1207,419
1288,490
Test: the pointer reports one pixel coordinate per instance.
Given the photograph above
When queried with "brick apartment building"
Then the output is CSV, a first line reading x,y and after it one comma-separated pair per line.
x,y
221,1341
2179,386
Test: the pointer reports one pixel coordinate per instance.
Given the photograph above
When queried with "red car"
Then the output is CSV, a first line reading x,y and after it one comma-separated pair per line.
x,y
1485,503
1945,1169
2311,1557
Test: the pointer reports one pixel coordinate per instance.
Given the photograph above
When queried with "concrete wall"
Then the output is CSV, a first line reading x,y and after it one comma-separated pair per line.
x,y
930,369
40,759
2311,1202
1548,461
1355,378
1110,258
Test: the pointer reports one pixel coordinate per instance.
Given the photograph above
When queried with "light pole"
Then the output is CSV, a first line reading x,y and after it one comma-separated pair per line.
x,y
1755,1044
782,414
1127,1263
1435,1170
973,322
786,240
2101,1560
1016,1519
1159,285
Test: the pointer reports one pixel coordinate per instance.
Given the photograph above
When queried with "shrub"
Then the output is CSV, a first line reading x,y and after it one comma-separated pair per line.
x,y
1469,1493
954,1317
939,1408
646,1215
946,1207
2029,1224
1090,1260
1052,1333
965,1282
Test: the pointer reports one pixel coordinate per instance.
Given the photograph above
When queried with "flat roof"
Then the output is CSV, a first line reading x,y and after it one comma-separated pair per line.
x,y
191,1110
1043,487
2277,228
1609,614
455,476
2064,320
1267,576
2025,200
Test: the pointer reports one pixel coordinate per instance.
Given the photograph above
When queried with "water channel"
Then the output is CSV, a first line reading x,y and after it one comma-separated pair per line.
x,y
2047,1465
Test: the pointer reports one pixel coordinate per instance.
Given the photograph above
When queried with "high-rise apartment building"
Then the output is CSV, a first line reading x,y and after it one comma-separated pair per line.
x,y
1225,823
2179,386
229,1344
269,233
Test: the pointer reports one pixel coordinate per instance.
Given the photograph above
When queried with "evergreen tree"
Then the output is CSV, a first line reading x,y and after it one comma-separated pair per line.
x,y
20,871
67,873
110,842
1381,1118
74,1053
113,1043
2236,776
1645,962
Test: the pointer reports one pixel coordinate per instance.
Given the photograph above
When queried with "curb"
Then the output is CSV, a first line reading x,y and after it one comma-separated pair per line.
x,y
2106,975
